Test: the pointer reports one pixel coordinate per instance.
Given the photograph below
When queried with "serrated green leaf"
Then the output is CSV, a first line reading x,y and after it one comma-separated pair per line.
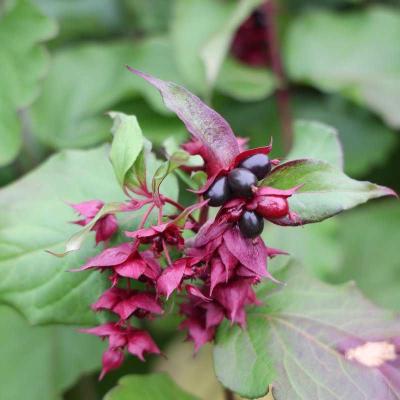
x,y
156,386
48,359
299,333
91,79
35,218
315,140
354,54
23,63
325,190
126,145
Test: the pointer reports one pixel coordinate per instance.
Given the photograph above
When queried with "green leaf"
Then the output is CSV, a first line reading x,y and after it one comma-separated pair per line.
x,y
47,360
245,83
300,333
201,44
369,240
87,80
318,141
325,190
126,145
217,46
367,142
23,63
35,218
156,386
355,54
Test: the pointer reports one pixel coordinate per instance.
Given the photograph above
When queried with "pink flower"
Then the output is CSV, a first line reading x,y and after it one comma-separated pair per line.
x,y
136,341
125,261
125,303
105,227
167,232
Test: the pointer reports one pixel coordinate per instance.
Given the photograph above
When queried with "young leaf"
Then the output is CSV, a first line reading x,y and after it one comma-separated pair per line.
x,y
126,145
325,191
205,124
156,386
20,52
34,282
365,42
50,358
310,340
315,140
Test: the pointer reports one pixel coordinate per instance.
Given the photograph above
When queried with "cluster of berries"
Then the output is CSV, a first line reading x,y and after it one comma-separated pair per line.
x,y
241,183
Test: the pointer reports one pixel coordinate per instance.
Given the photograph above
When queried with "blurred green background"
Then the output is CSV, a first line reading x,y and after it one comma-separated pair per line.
x,y
62,68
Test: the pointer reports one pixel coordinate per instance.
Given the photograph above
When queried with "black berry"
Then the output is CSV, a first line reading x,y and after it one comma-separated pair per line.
x,y
241,181
259,164
219,193
251,224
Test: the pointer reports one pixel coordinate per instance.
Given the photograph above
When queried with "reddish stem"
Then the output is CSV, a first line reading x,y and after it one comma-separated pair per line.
x,y
143,222
203,215
166,253
282,94
177,205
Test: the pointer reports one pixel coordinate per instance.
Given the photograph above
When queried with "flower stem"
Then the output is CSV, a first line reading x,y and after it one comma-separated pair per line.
x,y
176,205
229,394
203,215
282,94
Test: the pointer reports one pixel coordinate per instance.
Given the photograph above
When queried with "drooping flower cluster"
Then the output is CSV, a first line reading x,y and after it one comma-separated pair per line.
x,y
213,264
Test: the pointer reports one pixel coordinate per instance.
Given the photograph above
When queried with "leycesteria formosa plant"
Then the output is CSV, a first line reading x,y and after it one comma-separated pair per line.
x,y
209,254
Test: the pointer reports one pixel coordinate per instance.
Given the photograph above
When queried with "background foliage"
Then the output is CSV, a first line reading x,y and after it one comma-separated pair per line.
x,y
62,68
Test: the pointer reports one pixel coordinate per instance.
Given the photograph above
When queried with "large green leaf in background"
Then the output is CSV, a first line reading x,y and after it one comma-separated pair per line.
x,y
83,18
315,140
156,386
367,142
23,63
35,218
42,361
202,31
355,54
369,240
297,341
85,81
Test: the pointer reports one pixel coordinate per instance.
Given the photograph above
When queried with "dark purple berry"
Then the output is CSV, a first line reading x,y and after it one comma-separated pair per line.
x,y
259,164
241,182
219,193
251,224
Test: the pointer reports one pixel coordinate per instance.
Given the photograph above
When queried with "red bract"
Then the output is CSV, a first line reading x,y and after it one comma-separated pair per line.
x,y
105,227
136,341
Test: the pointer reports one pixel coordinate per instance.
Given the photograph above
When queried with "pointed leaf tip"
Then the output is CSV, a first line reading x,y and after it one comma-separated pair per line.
x,y
205,124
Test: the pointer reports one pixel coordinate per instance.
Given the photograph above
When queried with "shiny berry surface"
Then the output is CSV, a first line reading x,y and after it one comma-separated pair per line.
x,y
259,164
273,207
219,193
241,181
251,224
